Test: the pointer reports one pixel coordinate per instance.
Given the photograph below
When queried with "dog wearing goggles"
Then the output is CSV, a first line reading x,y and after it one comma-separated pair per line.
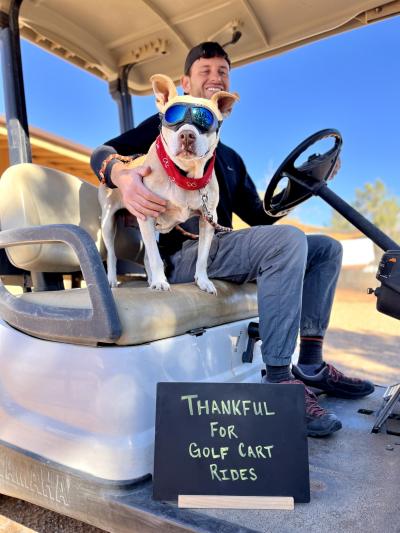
x,y
182,171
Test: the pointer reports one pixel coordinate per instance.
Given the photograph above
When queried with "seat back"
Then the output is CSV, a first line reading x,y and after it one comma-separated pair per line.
x,y
33,195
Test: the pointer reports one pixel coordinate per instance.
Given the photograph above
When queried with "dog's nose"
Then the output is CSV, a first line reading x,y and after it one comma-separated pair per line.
x,y
187,138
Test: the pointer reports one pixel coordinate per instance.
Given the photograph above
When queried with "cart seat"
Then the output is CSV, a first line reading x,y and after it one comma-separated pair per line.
x,y
36,197
148,315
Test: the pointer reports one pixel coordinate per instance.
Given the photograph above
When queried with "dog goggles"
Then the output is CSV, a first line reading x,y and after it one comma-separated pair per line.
x,y
201,117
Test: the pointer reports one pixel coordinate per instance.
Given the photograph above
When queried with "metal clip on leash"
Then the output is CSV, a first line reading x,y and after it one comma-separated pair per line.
x,y
208,216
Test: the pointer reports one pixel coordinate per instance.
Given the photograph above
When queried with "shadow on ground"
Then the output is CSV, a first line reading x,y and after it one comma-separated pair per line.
x,y
365,355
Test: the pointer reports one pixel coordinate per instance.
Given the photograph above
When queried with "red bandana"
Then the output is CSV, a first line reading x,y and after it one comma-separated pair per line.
x,y
174,175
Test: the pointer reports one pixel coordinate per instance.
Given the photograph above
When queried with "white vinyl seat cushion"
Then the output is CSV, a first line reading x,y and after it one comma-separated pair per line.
x,y
148,315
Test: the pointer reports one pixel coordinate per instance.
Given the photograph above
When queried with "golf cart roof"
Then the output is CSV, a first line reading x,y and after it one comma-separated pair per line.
x,y
155,35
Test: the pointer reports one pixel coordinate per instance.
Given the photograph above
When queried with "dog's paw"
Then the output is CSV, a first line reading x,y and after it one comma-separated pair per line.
x,y
160,286
206,285
112,282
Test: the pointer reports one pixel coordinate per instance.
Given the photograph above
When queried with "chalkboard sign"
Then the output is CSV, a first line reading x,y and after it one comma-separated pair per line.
x,y
230,439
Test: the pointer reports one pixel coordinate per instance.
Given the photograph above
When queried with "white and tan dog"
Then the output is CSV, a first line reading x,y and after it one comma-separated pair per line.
x,y
188,139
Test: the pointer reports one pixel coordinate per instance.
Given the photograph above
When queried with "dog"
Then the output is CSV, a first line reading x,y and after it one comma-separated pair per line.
x,y
188,138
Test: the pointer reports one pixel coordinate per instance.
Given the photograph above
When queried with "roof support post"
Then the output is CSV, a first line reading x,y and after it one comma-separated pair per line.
x,y
120,92
14,94
19,146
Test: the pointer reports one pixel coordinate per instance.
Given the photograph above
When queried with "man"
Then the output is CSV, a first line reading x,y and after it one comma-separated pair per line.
x,y
296,275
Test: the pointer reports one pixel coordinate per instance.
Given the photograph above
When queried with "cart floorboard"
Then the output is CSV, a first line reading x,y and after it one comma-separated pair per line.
x,y
354,478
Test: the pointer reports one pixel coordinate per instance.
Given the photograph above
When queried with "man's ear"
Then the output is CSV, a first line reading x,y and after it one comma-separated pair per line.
x,y
224,101
164,90
185,83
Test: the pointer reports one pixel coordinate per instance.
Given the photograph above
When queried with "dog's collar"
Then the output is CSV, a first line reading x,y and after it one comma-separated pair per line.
x,y
190,184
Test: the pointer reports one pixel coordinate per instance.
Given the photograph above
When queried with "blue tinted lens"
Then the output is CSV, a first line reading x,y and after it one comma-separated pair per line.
x,y
175,113
202,117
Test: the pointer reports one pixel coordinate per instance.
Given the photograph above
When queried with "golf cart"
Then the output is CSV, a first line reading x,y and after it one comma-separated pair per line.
x,y
77,402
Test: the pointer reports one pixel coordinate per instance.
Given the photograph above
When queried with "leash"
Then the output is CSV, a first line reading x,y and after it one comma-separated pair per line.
x,y
206,215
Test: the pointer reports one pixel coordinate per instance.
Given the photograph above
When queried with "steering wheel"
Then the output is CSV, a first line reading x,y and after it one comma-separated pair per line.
x,y
303,180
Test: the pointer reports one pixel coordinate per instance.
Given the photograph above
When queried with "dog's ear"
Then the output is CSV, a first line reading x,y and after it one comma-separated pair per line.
x,y
164,89
224,101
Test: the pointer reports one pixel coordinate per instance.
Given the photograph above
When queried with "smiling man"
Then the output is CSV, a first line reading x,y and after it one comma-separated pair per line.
x,y
296,274
205,75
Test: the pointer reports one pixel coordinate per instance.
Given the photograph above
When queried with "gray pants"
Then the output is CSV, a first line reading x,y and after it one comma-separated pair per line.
x,y
296,277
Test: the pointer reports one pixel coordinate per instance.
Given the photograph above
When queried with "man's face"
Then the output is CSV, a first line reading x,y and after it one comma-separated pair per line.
x,y
206,77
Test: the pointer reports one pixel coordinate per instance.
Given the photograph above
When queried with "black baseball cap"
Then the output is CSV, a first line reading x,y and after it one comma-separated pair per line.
x,y
207,49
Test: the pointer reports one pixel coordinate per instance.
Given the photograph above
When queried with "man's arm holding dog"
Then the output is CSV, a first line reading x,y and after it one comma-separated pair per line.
x,y
137,198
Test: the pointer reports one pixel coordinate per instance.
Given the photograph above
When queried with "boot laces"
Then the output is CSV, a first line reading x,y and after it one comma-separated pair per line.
x,y
336,375
313,408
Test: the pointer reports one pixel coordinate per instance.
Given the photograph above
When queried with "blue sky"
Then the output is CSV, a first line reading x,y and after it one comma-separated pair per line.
x,y
350,82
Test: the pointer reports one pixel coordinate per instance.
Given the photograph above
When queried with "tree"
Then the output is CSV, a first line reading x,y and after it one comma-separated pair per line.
x,y
378,206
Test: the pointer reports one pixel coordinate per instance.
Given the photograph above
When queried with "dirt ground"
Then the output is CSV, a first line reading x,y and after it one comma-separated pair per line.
x,y
360,341
363,341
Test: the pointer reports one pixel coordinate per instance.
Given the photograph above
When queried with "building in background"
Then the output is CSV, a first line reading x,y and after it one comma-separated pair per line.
x,y
50,150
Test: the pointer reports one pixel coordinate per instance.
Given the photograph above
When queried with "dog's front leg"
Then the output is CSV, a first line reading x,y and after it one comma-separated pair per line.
x,y
154,265
206,233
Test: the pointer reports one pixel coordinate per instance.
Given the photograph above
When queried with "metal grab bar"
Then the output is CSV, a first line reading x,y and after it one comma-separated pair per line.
x,y
101,323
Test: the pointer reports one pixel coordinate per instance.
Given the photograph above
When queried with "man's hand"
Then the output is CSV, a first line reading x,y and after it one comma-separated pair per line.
x,y
137,198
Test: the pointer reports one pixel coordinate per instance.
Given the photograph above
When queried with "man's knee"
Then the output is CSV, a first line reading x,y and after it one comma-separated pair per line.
x,y
292,239
326,246
334,247
287,241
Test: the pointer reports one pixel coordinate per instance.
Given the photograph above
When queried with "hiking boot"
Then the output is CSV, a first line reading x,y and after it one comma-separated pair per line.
x,y
319,421
334,383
